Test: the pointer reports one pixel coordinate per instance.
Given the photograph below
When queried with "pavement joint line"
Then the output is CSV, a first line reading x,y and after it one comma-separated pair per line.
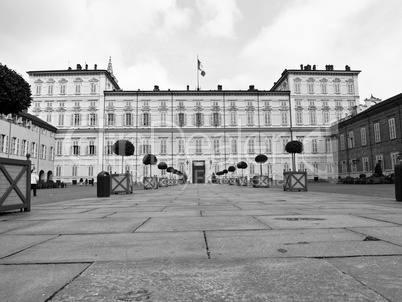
x,y
261,222
149,218
377,219
358,281
393,243
67,283
164,209
37,243
201,213
206,245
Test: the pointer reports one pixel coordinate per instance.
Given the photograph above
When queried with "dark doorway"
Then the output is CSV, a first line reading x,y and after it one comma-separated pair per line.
x,y
199,171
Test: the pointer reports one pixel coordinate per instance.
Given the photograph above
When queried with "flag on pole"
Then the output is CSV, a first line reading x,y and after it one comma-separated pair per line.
x,y
200,68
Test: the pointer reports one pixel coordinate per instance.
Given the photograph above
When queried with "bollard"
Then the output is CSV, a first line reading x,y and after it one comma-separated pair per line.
x,y
398,182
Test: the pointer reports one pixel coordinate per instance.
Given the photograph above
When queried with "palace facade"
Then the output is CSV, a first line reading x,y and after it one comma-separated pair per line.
x,y
192,130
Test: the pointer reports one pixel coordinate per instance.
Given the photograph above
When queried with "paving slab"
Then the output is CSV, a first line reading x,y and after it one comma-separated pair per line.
x,y
390,234
159,224
381,274
261,212
81,226
8,225
11,244
184,213
262,280
295,243
393,218
114,247
319,221
37,282
202,208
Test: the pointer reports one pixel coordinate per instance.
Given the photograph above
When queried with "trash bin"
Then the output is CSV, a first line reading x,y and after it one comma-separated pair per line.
x,y
398,182
103,185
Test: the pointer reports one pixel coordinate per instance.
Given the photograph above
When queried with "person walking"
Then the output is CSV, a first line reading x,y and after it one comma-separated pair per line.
x,y
86,181
34,181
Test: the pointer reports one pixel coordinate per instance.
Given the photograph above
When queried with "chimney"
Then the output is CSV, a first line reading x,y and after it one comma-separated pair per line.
x,y
314,67
347,68
96,66
251,87
188,87
219,87
86,66
156,88
79,67
301,66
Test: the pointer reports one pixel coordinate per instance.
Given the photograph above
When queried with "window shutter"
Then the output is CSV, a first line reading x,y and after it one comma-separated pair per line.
x,y
72,119
176,118
185,119
86,150
194,119
219,119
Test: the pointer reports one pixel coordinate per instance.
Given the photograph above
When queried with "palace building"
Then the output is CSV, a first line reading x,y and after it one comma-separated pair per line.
x,y
192,130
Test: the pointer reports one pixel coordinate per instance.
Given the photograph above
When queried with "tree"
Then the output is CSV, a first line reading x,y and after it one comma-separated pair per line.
x,y
15,93
294,147
123,148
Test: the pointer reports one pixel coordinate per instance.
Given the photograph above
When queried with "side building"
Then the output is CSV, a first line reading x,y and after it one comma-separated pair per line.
x,y
318,98
22,134
369,137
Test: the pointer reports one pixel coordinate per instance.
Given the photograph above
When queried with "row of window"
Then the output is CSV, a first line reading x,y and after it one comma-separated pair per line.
x,y
197,119
366,165
62,84
22,147
217,146
323,85
363,135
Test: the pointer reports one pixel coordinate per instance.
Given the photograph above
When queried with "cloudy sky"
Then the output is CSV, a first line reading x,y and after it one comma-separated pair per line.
x,y
239,42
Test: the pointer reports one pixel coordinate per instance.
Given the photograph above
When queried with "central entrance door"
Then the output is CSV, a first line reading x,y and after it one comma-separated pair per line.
x,y
199,171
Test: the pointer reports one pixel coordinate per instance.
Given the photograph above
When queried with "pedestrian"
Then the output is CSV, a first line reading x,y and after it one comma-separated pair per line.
x,y
81,181
92,180
34,181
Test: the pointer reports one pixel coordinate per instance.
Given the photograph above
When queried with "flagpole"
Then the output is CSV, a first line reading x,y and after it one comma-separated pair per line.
x,y
198,74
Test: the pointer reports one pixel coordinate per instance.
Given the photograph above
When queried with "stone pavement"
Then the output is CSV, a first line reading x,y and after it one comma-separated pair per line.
x,y
205,243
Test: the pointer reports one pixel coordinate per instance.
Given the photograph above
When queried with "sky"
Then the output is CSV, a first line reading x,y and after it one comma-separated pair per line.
x,y
239,42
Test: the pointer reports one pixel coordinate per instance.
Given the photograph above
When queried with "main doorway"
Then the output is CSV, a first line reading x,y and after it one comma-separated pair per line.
x,y
199,171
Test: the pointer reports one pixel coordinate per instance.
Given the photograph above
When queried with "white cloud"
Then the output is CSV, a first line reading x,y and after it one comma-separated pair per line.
x,y
218,17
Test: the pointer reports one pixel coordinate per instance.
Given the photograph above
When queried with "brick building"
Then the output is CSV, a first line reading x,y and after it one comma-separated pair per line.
x,y
371,136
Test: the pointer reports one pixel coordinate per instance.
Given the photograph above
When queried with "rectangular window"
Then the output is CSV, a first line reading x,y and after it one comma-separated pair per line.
x,y
163,118
351,88
325,116
351,103
233,119
338,115
163,146
394,159
51,153
310,87
109,147
351,140
48,118
215,119
327,145
50,89
366,164
314,145
377,134
128,119
268,145
74,170
297,87
392,129
146,119
62,88
313,117
58,171
59,147
363,136
93,87
267,118
42,152
323,87
61,119
77,88
250,118
110,119
198,119
76,119
251,145
285,140
342,141
181,146
284,117
92,119
216,146
91,147
181,119
299,117
337,88
91,171
234,145
75,148
198,145
38,89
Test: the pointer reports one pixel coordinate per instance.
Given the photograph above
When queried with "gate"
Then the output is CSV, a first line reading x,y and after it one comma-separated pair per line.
x,y
199,171
15,185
